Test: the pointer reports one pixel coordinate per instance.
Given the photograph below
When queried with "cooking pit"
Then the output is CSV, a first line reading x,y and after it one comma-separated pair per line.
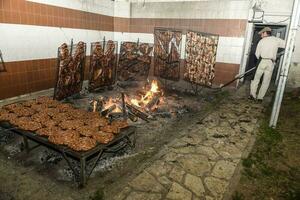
x,y
151,114
115,125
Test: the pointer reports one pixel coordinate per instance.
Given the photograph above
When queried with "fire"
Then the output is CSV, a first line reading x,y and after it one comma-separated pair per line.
x,y
154,87
145,99
135,102
110,103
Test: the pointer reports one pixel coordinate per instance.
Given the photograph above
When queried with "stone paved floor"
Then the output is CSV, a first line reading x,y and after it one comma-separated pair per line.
x,y
201,164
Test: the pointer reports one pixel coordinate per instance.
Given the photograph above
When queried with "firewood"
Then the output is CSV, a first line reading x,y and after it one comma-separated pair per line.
x,y
132,117
140,114
154,101
108,110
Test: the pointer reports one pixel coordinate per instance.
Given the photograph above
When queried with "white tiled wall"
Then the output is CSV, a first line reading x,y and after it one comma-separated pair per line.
x,y
279,7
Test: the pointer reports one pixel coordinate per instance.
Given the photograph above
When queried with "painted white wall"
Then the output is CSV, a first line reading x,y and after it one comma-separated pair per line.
x,y
141,1
122,9
26,42
294,72
104,7
296,54
212,9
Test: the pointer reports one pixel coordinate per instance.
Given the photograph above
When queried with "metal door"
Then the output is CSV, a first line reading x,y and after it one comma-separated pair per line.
x,y
278,31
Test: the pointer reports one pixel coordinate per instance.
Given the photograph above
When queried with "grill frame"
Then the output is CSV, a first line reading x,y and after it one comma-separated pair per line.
x,y
127,137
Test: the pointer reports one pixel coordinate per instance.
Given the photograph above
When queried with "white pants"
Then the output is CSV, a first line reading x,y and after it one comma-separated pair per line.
x,y
265,68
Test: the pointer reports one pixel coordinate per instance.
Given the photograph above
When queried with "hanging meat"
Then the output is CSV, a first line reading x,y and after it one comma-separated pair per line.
x,y
102,64
201,49
135,61
167,53
70,70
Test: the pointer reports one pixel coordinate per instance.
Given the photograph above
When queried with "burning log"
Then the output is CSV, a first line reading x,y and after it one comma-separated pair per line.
x,y
154,101
108,110
115,115
132,117
124,106
140,114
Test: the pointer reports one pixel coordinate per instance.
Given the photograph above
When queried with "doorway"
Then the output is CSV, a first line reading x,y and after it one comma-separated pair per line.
x,y
277,31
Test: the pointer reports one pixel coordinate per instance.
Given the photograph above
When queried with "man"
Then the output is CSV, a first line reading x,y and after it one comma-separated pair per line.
x,y
266,51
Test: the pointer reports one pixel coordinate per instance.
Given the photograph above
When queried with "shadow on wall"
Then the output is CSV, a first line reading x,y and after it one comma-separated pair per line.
x,y
294,76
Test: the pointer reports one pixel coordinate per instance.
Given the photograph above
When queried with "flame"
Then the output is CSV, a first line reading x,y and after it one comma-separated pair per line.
x,y
110,103
145,99
135,102
140,102
154,87
117,109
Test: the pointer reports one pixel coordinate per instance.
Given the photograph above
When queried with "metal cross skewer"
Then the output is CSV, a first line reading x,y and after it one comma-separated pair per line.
x,y
2,62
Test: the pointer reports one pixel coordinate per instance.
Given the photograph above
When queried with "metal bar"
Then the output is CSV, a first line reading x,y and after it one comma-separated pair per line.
x,y
34,147
9,129
26,145
86,154
81,156
69,163
124,106
286,63
2,61
129,142
57,74
82,178
239,76
71,48
95,163
279,70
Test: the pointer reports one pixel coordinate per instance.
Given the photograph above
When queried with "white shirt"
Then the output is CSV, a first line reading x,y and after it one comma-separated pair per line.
x,y
268,47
